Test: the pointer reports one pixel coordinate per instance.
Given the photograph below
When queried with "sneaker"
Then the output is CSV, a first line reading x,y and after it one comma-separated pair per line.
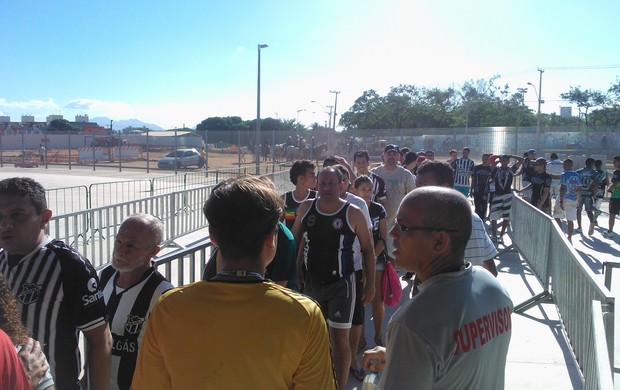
x,y
577,230
608,234
591,229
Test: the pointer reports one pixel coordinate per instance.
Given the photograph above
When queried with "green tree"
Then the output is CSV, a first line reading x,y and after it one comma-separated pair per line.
x,y
478,103
584,99
229,130
610,114
61,126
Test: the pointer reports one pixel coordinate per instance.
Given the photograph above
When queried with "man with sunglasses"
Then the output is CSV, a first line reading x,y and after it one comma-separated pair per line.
x,y
480,249
456,331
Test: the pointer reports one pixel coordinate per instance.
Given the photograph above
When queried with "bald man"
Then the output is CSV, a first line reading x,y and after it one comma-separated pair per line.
x,y
480,249
131,286
456,331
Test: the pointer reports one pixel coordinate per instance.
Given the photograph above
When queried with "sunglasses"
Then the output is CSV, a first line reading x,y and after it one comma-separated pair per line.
x,y
404,228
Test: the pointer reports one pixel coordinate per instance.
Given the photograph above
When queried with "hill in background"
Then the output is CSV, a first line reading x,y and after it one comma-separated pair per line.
x,y
122,124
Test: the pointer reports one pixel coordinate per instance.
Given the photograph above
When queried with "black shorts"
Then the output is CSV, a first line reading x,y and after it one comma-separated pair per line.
x,y
358,311
336,300
614,206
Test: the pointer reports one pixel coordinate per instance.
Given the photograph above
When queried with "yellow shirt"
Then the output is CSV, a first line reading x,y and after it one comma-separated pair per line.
x,y
218,335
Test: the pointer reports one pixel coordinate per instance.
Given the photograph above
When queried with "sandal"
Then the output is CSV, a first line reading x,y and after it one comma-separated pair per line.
x,y
359,374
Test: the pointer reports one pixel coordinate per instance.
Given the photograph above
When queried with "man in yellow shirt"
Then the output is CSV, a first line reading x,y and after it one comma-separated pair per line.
x,y
237,330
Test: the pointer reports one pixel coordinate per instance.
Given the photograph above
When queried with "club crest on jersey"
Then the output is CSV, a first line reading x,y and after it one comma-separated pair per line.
x,y
91,285
134,324
337,223
311,220
29,293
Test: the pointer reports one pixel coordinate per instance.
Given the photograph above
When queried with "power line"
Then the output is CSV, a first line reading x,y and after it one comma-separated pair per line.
x,y
584,67
567,67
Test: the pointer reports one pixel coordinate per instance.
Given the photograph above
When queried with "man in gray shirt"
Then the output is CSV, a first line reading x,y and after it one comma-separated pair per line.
x,y
456,331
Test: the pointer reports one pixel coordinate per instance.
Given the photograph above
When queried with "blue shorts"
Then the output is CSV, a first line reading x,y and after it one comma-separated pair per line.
x,y
587,201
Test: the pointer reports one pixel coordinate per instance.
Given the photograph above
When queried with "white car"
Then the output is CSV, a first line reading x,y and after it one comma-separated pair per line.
x,y
181,158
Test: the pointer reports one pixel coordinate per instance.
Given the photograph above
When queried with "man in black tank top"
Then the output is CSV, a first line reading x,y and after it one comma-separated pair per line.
x,y
329,226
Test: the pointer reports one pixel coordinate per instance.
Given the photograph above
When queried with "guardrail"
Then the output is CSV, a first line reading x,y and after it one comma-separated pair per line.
x,y
566,280
598,359
69,200
184,266
92,231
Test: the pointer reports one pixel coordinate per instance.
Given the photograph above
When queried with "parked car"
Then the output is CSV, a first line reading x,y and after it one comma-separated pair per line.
x,y
181,158
27,160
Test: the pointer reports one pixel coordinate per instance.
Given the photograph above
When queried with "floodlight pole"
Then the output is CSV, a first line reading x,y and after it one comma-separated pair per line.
x,y
257,145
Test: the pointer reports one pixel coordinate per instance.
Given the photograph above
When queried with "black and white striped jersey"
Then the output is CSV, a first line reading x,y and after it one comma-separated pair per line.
x,y
57,293
128,311
462,171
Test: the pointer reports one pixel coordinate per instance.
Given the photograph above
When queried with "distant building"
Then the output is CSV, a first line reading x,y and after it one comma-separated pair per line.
x,y
566,112
81,118
5,119
51,118
27,118
90,128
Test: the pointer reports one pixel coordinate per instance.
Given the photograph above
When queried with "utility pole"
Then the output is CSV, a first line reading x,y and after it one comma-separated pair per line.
x,y
335,107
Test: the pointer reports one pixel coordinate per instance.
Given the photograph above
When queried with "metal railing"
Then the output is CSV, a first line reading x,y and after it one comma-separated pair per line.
x,y
184,266
92,231
598,365
567,281
69,200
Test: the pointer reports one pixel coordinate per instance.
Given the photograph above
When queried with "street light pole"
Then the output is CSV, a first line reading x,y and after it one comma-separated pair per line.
x,y
298,111
325,110
257,145
540,101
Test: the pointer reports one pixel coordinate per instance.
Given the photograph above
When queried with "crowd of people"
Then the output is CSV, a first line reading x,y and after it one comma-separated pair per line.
x,y
283,296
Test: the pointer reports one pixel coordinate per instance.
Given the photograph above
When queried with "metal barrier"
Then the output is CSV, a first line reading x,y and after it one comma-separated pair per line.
x,y
597,362
103,194
92,231
566,280
67,199
184,266
531,236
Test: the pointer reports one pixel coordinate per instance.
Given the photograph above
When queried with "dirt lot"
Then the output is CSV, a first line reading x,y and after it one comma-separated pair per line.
x,y
216,159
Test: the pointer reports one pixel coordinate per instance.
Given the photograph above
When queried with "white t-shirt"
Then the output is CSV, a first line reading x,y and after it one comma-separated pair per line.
x,y
479,247
555,167
398,183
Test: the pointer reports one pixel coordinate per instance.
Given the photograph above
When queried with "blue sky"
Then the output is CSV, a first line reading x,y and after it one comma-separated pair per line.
x,y
175,63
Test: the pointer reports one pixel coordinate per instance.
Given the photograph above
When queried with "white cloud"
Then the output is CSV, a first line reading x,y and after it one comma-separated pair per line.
x,y
240,49
32,104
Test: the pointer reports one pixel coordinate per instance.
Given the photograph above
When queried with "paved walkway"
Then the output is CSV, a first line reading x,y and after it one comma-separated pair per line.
x,y
540,356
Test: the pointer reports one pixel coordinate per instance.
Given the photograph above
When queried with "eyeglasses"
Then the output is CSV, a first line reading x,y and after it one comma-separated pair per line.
x,y
404,228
